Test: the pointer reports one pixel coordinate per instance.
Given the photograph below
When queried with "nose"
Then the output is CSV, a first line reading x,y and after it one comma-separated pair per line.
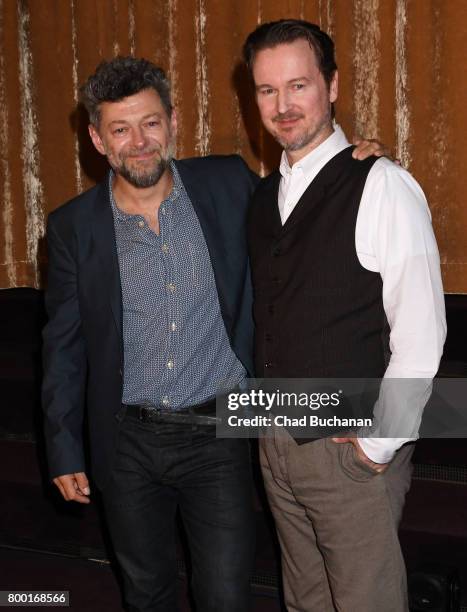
x,y
283,102
138,137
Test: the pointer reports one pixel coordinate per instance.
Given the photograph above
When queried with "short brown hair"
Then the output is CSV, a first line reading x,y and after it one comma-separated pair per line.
x,y
285,31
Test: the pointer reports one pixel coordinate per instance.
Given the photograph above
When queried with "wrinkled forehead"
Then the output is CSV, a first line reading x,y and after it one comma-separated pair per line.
x,y
138,106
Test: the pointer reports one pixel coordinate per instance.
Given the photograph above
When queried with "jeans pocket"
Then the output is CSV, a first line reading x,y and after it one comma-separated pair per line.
x,y
353,466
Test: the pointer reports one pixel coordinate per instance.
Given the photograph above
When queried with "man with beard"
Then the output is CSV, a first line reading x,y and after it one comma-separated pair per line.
x,y
148,301
335,246
149,305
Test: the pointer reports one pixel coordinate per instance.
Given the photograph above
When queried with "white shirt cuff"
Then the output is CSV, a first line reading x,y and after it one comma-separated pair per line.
x,y
382,450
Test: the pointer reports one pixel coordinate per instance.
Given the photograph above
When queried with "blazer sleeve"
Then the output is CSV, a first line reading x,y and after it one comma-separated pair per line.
x,y
64,360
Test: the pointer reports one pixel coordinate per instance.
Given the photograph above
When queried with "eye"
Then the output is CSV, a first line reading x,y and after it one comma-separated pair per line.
x,y
153,123
266,91
298,86
119,131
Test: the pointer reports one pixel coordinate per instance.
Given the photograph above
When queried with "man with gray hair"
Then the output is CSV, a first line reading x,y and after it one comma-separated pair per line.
x,y
149,314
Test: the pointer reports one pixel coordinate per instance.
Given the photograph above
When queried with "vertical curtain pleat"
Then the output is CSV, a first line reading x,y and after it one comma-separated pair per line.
x,y
402,67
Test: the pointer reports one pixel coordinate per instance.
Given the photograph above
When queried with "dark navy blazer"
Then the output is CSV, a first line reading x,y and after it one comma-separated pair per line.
x,y
83,346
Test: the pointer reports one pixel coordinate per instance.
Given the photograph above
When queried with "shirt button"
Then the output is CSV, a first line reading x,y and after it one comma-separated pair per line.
x,y
141,223
165,248
163,210
173,326
165,400
170,364
171,287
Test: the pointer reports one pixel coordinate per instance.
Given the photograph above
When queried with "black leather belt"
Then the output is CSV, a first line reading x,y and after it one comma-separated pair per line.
x,y
200,414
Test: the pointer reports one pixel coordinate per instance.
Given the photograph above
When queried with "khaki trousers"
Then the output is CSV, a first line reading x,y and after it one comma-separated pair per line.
x,y
337,524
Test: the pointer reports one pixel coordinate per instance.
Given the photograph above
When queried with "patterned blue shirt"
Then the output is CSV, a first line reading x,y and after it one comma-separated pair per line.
x,y
176,349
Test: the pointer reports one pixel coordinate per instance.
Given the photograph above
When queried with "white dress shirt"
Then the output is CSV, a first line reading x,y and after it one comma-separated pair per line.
x,y
393,236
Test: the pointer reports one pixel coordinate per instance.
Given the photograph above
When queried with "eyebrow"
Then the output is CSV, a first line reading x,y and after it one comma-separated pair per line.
x,y
300,78
122,121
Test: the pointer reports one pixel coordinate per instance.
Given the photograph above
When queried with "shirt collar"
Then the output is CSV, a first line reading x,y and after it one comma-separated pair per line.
x,y
118,214
313,161
172,197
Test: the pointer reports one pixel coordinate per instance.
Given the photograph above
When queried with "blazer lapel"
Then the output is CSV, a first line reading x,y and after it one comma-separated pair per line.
x,y
106,248
206,211
202,201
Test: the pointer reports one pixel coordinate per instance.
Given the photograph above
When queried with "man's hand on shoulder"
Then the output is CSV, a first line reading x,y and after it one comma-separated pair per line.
x,y
74,487
365,148
377,467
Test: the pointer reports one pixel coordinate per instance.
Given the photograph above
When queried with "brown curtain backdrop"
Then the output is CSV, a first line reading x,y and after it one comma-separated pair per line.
x,y
403,80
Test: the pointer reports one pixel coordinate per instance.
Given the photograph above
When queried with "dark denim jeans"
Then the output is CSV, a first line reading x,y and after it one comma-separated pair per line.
x,y
158,468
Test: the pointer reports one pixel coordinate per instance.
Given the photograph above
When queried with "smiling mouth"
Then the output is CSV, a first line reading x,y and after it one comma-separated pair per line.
x,y
286,121
143,156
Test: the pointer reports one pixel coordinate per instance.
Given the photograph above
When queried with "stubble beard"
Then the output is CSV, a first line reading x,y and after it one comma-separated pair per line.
x,y
305,138
142,178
